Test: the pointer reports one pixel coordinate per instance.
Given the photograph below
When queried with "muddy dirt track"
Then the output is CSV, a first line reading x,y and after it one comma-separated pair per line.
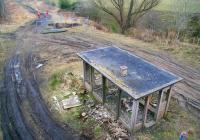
x,y
25,115
20,86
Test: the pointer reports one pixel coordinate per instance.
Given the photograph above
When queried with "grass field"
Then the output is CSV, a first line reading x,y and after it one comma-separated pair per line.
x,y
167,5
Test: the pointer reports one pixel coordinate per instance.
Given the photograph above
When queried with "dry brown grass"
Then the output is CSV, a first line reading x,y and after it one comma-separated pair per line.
x,y
17,16
186,53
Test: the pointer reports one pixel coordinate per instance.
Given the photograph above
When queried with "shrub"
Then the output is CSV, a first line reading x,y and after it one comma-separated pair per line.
x,y
86,9
194,27
52,2
67,4
56,80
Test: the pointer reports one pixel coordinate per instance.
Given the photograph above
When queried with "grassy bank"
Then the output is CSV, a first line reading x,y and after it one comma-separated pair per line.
x,y
183,52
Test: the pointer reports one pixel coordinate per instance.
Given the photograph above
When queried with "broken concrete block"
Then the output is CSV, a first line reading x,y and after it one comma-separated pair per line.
x,y
55,105
39,66
123,70
54,99
72,101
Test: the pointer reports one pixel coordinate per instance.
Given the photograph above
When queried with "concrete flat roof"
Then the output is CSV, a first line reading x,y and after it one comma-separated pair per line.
x,y
143,77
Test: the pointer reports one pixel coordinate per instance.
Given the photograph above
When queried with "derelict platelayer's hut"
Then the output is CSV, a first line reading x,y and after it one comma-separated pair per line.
x,y
134,90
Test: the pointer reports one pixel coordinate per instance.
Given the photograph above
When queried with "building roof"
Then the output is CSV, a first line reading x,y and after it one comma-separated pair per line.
x,y
143,77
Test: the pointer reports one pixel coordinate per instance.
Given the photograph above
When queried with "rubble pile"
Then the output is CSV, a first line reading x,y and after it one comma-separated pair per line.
x,y
103,117
99,113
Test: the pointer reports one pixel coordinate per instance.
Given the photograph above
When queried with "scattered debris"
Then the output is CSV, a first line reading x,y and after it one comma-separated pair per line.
x,y
39,66
72,101
64,25
55,105
91,110
103,117
83,114
66,94
48,31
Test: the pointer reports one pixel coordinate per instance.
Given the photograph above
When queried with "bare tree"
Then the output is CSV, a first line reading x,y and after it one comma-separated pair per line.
x,y
126,12
2,9
181,9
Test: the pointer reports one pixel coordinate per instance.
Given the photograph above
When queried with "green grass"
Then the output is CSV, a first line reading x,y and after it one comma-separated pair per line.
x,y
63,4
98,131
110,23
56,80
170,127
167,5
184,52
72,116
88,126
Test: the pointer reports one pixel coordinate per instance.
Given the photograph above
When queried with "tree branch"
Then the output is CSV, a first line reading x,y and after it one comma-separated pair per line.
x,y
98,4
146,5
135,11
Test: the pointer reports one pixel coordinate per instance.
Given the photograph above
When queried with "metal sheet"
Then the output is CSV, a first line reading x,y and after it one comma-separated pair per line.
x,y
143,77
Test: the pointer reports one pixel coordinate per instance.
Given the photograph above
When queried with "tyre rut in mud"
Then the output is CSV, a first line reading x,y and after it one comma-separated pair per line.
x,y
20,85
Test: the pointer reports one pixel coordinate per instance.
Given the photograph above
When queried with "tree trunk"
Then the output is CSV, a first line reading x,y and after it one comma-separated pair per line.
x,y
2,9
126,17
123,31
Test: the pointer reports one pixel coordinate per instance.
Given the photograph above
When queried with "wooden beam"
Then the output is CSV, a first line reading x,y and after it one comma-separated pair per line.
x,y
168,100
84,71
160,96
118,103
135,108
92,77
104,84
146,107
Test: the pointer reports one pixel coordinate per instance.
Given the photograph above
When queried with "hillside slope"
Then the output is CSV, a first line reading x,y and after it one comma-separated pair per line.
x,y
57,50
